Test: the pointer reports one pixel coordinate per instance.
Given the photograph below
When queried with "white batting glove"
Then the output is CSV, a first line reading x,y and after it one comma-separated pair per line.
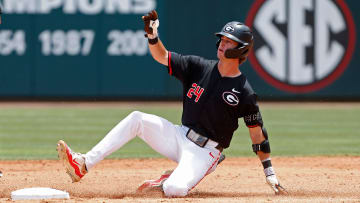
x,y
154,24
273,182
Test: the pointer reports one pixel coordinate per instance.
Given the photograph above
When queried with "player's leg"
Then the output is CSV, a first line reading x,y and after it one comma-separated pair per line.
x,y
157,132
156,184
195,163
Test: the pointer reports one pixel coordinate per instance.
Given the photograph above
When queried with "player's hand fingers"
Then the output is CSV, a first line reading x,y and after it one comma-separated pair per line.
x,y
273,182
152,18
275,189
154,15
149,15
146,20
281,190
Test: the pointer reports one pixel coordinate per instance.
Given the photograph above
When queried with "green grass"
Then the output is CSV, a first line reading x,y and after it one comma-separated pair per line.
x,y
32,133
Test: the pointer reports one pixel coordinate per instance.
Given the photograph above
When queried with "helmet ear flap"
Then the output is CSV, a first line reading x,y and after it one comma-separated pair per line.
x,y
237,53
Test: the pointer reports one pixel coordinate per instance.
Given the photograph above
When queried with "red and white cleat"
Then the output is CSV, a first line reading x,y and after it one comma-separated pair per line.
x,y
154,185
74,162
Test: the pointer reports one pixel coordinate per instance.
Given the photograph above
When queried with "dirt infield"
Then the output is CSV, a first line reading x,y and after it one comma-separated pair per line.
x,y
308,179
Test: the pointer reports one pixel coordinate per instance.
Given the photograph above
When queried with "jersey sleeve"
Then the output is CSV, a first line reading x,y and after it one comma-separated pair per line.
x,y
180,66
252,115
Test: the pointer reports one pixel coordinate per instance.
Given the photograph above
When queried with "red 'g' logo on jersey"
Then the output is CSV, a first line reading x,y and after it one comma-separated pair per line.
x,y
301,45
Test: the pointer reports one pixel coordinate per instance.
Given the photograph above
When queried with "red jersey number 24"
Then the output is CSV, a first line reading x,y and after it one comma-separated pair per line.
x,y
195,90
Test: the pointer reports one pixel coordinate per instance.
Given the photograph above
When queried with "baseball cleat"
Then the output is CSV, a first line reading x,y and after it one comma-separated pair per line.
x,y
154,185
74,162
222,158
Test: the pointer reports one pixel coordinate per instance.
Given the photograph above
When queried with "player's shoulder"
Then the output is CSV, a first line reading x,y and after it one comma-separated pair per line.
x,y
244,84
246,88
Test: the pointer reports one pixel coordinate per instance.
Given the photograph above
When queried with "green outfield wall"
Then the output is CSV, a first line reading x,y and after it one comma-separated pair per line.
x,y
95,49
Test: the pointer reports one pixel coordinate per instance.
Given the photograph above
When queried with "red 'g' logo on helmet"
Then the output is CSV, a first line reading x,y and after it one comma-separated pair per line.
x,y
301,46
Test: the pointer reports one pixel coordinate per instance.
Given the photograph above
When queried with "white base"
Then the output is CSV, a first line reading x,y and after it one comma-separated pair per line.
x,y
39,193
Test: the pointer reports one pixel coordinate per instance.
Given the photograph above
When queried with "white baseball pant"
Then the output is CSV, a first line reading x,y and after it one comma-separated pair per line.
x,y
170,140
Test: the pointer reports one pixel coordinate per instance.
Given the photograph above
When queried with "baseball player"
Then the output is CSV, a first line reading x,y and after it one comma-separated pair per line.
x,y
215,95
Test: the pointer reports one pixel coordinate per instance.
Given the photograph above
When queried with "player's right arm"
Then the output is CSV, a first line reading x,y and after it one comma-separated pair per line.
x,y
159,52
157,49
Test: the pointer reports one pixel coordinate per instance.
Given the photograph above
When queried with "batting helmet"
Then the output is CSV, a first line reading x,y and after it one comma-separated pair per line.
x,y
241,34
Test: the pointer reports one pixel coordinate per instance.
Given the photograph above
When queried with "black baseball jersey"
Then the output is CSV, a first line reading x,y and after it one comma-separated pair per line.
x,y
212,104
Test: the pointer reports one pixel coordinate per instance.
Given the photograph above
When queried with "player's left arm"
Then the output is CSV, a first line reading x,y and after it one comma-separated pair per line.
x,y
257,137
260,140
261,147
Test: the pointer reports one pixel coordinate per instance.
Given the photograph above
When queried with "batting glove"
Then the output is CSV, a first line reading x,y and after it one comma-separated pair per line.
x,y
273,182
151,24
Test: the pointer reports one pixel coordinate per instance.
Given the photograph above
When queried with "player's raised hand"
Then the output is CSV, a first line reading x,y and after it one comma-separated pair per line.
x,y
151,23
275,185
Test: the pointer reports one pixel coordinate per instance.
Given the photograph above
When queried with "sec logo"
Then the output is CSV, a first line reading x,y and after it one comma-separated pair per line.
x,y
301,46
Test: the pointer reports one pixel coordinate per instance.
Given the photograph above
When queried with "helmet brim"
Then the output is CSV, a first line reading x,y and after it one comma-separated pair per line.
x,y
219,34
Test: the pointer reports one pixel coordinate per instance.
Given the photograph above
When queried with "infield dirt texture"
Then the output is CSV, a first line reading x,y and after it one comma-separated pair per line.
x,y
308,179
314,178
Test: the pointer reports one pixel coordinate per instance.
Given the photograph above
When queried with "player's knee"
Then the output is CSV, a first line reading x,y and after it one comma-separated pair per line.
x,y
171,190
135,116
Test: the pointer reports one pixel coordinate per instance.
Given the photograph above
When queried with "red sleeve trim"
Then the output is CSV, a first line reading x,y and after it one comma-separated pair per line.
x,y
252,126
169,63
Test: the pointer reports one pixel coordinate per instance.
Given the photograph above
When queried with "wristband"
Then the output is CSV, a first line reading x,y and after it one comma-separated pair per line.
x,y
266,163
153,41
268,169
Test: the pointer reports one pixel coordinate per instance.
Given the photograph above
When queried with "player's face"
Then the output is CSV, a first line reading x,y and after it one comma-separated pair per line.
x,y
225,44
